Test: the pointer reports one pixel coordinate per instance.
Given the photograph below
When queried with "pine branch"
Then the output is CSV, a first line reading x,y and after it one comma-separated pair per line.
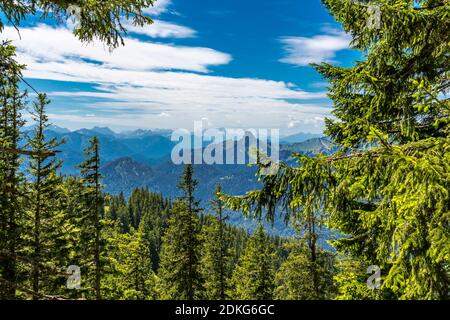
x,y
375,154
351,156
430,7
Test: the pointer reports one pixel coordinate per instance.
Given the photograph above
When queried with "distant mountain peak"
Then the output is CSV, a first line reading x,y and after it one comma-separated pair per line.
x,y
127,167
104,130
52,127
125,174
145,132
300,137
312,146
58,129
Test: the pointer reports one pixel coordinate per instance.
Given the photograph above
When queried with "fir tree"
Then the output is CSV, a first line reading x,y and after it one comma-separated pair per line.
x,y
117,207
253,278
153,210
300,278
154,224
180,257
386,189
93,201
43,197
11,180
216,257
130,275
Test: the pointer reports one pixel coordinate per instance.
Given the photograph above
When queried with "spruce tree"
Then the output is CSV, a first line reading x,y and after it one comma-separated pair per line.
x,y
180,254
153,211
97,21
75,246
129,273
253,278
300,278
154,224
11,180
117,208
44,190
386,189
93,214
216,257
391,198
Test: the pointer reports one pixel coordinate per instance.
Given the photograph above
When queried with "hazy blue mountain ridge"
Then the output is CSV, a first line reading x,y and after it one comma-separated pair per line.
x,y
142,159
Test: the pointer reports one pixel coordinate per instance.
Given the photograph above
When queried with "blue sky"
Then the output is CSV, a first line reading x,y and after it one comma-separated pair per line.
x,y
234,63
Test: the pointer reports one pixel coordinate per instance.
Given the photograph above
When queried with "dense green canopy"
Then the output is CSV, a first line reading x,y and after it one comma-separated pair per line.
x,y
387,189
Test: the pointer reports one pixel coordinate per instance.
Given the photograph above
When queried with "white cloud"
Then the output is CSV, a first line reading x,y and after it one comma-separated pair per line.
x,y
158,29
161,29
302,51
138,87
159,7
48,44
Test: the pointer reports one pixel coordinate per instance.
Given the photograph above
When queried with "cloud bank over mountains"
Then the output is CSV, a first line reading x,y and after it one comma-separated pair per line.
x,y
149,83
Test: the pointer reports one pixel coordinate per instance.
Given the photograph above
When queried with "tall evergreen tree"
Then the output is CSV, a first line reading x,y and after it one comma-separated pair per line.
x,y
301,278
96,21
130,275
180,257
253,278
391,198
386,190
93,201
11,180
216,259
154,224
69,247
44,189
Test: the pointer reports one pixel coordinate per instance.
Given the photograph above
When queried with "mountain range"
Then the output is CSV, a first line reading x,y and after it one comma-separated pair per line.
x,y
142,158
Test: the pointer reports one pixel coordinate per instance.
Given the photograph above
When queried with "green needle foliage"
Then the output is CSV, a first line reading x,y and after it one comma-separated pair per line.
x,y
216,259
98,19
253,278
93,214
129,272
180,254
351,281
12,102
43,232
301,278
387,189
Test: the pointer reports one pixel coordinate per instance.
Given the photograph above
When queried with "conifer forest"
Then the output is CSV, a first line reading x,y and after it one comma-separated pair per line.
x,y
369,220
